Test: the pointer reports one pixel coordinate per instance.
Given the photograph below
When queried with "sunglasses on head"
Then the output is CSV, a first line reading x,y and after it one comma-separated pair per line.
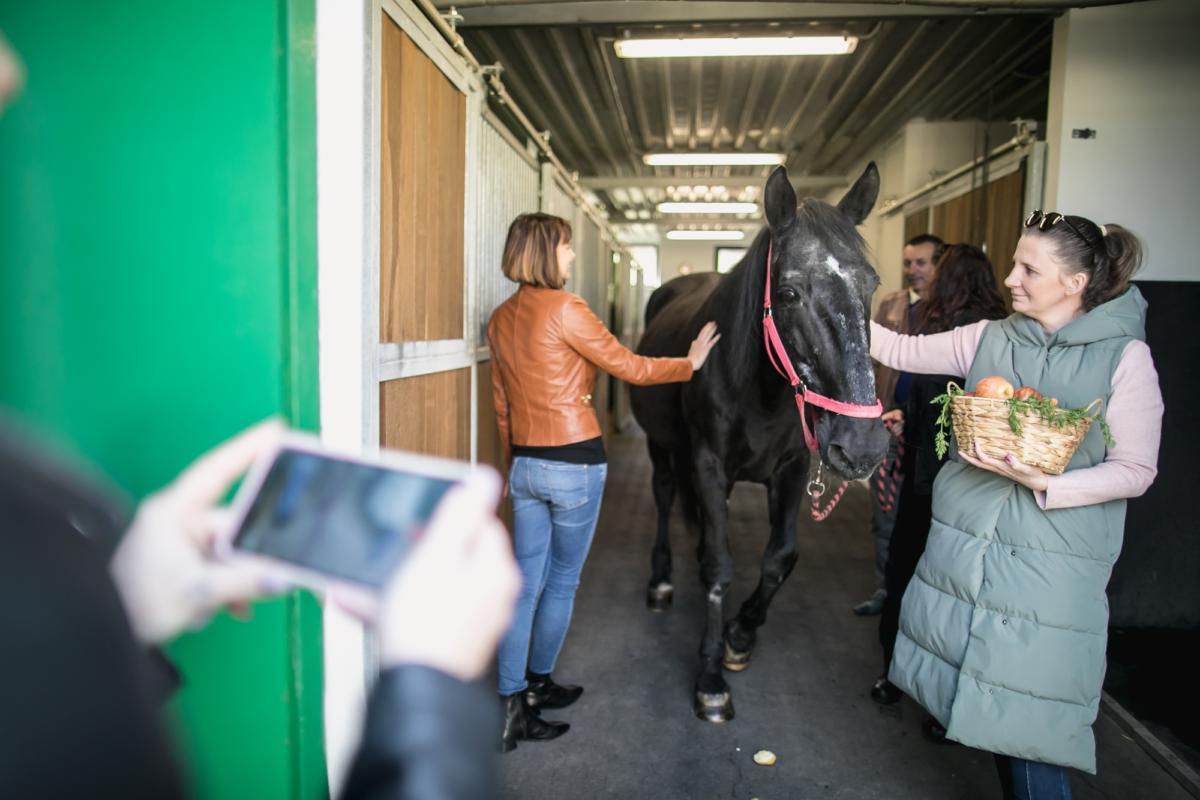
x,y
1044,221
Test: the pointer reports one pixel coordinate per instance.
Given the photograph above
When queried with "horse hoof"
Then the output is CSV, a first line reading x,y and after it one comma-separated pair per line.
x,y
658,598
713,707
735,661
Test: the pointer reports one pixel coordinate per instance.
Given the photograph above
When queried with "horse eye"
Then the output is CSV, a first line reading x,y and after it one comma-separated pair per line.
x,y
787,295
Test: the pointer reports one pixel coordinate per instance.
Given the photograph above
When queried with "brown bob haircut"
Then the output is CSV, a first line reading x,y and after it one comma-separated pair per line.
x,y
531,250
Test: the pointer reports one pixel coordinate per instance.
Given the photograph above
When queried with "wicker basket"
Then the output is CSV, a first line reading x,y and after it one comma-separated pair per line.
x,y
984,421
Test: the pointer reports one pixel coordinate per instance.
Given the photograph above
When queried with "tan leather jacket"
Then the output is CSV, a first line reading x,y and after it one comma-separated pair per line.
x,y
546,345
892,314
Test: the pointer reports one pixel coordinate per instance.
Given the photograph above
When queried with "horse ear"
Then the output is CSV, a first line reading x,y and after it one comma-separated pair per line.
x,y
859,201
779,200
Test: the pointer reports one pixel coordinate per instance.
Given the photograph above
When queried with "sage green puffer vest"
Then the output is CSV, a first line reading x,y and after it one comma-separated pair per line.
x,y
1004,625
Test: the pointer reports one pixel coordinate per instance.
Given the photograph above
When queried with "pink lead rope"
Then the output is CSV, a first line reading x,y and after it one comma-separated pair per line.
x,y
783,365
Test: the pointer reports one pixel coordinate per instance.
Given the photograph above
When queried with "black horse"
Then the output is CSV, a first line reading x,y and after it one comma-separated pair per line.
x,y
737,419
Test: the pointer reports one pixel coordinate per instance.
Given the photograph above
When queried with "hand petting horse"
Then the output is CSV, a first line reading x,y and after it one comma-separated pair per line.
x,y
747,415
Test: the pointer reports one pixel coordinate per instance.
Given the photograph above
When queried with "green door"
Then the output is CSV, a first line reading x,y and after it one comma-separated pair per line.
x,y
158,294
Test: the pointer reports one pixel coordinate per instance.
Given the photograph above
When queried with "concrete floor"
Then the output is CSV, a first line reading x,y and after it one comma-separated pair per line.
x,y
804,696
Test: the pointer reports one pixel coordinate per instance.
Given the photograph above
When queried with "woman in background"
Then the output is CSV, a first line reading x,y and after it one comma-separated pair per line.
x,y
963,291
546,346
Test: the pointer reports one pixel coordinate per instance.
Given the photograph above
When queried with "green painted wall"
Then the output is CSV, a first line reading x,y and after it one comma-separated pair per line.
x,y
158,293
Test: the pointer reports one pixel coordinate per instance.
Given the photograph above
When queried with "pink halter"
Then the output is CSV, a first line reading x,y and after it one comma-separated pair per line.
x,y
783,365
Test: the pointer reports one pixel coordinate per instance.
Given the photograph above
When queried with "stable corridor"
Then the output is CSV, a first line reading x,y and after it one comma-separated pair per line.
x,y
804,697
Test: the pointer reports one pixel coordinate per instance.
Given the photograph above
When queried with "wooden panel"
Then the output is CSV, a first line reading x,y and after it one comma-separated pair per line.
x,y
1006,200
422,176
989,219
428,414
489,449
916,224
953,220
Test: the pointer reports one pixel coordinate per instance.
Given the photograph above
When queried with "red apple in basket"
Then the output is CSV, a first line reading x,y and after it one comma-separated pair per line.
x,y
995,387
1026,392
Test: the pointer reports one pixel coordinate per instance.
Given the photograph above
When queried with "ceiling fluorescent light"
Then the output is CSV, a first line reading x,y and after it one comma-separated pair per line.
x,y
713,159
707,236
739,46
707,208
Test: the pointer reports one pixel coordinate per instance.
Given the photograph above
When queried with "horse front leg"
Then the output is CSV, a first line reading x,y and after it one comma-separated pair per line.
x,y
712,700
784,496
661,590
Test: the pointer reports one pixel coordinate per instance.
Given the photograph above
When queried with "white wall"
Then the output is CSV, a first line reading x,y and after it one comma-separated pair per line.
x,y
1131,73
700,256
346,379
933,148
884,236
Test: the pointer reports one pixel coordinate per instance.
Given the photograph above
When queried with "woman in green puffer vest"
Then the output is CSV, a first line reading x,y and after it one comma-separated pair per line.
x,y
1003,627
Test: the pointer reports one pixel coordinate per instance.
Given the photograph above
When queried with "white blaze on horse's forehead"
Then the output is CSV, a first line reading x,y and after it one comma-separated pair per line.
x,y
834,266
854,334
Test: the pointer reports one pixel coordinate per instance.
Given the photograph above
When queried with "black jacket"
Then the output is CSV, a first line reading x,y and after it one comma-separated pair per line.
x,y
79,697
920,422
920,427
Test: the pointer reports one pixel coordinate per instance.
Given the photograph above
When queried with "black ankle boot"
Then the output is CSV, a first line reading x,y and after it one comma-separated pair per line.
x,y
522,722
543,692
933,731
885,692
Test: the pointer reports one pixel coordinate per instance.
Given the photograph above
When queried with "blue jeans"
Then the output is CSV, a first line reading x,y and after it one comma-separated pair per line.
x,y
555,508
1032,780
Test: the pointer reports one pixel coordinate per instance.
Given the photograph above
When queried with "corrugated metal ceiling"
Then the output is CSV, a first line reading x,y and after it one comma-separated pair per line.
x,y
826,112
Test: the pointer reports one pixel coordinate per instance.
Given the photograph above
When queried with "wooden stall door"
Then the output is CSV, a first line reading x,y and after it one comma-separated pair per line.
x,y
915,224
987,217
421,291
428,414
1006,198
423,174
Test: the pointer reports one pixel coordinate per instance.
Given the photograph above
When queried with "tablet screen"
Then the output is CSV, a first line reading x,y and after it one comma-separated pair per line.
x,y
343,518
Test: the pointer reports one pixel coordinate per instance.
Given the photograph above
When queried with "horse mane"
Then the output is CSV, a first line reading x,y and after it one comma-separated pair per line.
x,y
737,305
738,299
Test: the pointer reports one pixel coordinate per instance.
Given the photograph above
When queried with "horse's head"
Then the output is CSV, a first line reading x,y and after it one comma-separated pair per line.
x,y
821,286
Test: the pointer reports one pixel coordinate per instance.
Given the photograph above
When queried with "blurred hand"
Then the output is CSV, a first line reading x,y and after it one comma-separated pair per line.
x,y
702,345
164,568
453,598
12,74
894,421
1029,477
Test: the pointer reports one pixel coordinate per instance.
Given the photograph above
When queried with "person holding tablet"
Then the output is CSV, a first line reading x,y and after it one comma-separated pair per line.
x,y
79,691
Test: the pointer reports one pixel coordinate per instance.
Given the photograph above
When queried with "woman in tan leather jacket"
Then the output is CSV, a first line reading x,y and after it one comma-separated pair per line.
x,y
546,346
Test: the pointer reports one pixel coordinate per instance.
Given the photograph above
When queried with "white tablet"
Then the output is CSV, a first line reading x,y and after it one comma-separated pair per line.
x,y
341,524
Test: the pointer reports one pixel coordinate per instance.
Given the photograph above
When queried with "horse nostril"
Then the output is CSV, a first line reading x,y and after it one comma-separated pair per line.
x,y
847,465
838,458
855,449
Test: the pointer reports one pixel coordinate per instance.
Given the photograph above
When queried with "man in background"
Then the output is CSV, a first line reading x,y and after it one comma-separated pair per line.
x,y
898,312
